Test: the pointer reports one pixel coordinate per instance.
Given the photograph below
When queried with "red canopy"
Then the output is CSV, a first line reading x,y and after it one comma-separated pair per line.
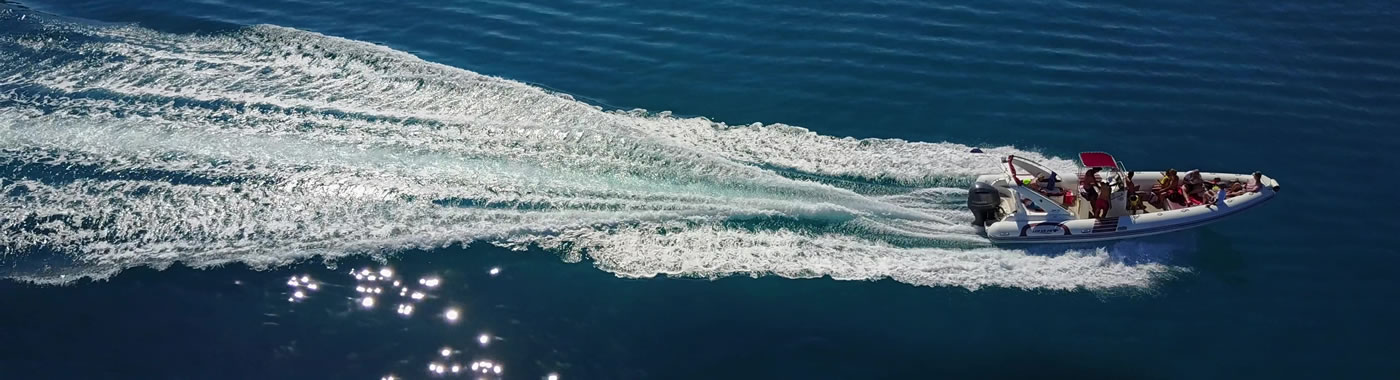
x,y
1098,160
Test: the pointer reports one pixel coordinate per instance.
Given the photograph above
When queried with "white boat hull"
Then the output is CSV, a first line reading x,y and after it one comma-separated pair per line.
x,y
1014,208
1029,230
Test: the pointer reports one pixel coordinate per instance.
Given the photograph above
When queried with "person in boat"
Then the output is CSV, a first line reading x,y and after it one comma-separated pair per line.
x,y
1088,191
1169,180
1218,192
1169,189
1195,187
1031,205
1097,193
1236,188
1255,184
1048,185
1102,204
1135,203
1136,195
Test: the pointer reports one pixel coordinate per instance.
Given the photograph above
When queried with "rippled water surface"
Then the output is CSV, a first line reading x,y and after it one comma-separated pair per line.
x,y
598,190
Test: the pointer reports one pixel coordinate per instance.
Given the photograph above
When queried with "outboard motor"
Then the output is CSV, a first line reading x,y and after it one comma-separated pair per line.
x,y
985,202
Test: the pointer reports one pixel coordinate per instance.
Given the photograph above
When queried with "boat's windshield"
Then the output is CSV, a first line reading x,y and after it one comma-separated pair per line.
x,y
1023,169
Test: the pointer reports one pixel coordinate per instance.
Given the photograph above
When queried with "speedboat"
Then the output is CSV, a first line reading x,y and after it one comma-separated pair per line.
x,y
1029,203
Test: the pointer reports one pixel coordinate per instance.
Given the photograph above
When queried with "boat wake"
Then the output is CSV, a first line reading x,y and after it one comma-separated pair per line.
x,y
121,147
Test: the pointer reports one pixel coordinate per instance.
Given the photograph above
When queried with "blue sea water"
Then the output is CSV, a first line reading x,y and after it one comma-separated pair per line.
x,y
670,190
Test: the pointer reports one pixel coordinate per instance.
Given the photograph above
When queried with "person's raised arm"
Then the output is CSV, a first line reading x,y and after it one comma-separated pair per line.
x,y
1011,161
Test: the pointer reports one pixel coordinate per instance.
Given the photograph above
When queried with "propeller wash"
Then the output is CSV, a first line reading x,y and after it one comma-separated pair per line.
x,y
122,146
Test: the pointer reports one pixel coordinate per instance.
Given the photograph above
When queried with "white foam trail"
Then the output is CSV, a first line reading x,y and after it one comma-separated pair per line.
x,y
269,145
711,251
293,68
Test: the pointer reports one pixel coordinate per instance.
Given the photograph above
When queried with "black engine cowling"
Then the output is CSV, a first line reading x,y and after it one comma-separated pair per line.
x,y
985,202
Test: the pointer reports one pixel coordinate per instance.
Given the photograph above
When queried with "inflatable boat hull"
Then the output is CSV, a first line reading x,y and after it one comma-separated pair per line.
x,y
1121,227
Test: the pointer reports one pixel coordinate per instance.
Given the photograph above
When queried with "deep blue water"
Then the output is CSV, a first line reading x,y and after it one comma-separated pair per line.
x,y
143,138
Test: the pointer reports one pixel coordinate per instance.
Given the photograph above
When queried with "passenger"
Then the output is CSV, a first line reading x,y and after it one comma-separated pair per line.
x,y
1221,193
1132,187
1092,174
1216,192
1169,183
1102,203
1236,188
1091,193
1195,187
1193,174
1168,189
1050,187
1031,205
1255,184
1135,203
